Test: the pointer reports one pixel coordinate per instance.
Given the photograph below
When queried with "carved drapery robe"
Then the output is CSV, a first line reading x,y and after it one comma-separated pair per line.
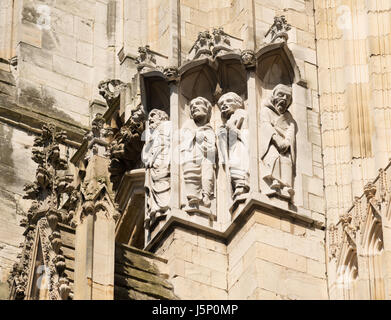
x,y
278,164
233,149
156,157
198,153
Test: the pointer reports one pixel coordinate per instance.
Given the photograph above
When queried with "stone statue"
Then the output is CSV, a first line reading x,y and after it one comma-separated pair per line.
x,y
278,32
233,142
125,149
198,154
156,157
278,143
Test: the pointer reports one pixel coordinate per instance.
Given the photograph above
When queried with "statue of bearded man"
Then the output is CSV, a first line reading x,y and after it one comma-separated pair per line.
x,y
156,157
278,143
198,153
233,142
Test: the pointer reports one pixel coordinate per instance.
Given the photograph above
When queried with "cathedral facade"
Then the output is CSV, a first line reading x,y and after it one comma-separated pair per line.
x,y
190,149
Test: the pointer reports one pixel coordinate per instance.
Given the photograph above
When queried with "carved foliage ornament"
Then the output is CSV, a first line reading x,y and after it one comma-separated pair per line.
x,y
18,278
50,193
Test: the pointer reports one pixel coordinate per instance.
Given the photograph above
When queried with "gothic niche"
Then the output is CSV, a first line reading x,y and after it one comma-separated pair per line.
x,y
156,158
278,143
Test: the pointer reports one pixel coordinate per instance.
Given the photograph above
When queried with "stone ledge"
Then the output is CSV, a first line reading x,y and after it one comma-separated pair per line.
x,y
256,202
142,252
32,121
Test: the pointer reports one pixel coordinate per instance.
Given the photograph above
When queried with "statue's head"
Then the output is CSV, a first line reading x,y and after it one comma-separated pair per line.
x,y
281,98
156,117
200,110
228,104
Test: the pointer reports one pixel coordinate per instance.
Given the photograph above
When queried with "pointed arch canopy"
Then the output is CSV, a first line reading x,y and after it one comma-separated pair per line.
x,y
155,91
275,64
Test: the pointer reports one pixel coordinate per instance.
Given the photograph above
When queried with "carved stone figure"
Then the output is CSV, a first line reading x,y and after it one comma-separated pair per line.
x,y
221,42
278,31
125,149
278,142
156,158
198,153
233,142
248,58
110,90
202,46
146,58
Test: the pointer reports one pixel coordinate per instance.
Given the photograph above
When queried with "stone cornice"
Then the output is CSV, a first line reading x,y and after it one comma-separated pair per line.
x,y
31,121
242,214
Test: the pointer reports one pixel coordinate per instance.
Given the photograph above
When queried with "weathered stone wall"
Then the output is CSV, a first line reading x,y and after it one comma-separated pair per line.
x,y
197,264
64,49
273,257
342,49
354,65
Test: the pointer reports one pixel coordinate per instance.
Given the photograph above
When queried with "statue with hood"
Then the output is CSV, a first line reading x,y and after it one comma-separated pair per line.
x,y
278,143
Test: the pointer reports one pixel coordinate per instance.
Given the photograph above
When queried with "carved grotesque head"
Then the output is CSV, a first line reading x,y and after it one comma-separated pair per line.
x,y
156,117
138,114
228,104
248,57
200,110
281,98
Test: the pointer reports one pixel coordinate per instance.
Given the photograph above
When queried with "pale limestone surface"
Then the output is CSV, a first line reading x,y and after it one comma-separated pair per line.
x,y
338,66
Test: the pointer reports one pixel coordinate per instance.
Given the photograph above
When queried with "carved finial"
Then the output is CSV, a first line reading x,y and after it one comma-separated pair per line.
x,y
278,31
211,45
221,42
202,46
145,59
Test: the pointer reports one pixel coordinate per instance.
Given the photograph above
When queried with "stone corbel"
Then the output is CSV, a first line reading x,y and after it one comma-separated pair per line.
x,y
248,59
171,74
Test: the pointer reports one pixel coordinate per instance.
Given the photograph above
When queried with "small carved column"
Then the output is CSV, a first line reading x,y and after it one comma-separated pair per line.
x,y
248,59
95,232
